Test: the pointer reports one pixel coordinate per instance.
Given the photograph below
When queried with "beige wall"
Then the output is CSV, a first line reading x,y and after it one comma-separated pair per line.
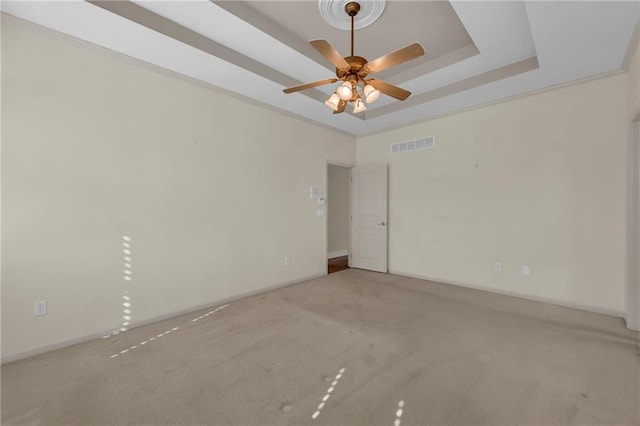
x,y
213,191
633,92
537,181
632,300
338,209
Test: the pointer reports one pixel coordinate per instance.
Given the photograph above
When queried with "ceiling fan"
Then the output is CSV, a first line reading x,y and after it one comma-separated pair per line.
x,y
353,71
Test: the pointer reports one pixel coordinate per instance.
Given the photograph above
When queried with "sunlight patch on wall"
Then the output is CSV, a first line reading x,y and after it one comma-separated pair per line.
x,y
399,412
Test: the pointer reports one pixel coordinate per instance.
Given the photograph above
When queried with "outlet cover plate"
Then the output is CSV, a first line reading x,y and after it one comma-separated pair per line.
x,y
39,308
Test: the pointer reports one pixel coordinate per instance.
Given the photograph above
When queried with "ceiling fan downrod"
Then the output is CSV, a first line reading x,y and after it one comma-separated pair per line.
x,y
352,9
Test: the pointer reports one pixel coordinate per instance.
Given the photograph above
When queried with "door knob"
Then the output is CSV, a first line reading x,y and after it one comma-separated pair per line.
x,y
382,223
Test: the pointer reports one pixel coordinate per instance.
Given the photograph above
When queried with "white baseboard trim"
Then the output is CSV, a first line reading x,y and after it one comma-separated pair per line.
x,y
335,254
631,324
76,340
596,309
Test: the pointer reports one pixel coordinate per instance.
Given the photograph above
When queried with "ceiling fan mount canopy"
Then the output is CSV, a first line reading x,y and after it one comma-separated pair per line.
x,y
352,8
333,13
353,70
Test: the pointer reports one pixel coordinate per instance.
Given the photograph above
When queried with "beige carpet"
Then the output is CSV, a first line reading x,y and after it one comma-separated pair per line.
x,y
413,353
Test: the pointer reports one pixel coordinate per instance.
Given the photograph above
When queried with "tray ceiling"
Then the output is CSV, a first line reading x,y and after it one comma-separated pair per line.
x,y
476,52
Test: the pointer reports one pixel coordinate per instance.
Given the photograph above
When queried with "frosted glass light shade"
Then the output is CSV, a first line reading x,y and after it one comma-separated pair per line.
x,y
333,102
345,91
358,106
371,94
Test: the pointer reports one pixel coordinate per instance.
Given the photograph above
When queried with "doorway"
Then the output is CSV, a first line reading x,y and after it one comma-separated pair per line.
x,y
338,217
369,218
632,293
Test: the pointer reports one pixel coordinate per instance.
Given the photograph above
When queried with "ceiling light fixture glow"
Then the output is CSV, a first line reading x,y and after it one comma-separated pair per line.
x,y
358,106
345,91
333,102
371,94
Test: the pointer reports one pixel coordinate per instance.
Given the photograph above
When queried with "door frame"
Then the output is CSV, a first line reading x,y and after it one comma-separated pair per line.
x,y
632,267
326,216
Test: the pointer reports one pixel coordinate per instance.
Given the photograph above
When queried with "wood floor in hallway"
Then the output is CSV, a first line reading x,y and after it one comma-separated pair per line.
x,y
338,264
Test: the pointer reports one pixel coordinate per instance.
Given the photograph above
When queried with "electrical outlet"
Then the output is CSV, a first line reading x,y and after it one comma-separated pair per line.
x,y
497,267
525,270
287,261
39,308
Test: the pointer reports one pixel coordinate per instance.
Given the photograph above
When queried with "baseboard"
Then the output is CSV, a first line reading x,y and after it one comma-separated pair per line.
x,y
335,254
76,340
631,323
590,308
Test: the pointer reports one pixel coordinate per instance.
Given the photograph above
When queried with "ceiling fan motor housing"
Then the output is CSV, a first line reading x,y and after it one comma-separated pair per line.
x,y
356,63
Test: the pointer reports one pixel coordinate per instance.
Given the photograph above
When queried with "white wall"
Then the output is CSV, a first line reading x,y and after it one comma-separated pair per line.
x,y
212,190
538,181
338,209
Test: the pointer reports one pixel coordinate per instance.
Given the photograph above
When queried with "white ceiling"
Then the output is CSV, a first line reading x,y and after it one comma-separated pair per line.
x,y
477,52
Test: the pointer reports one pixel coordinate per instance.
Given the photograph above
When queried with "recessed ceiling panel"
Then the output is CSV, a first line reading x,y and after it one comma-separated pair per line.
x,y
434,24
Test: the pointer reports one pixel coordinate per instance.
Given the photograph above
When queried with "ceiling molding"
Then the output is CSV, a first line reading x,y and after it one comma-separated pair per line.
x,y
145,17
457,87
424,68
266,25
496,102
633,46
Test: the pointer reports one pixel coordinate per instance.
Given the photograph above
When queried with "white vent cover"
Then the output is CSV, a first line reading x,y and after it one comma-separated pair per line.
x,y
424,143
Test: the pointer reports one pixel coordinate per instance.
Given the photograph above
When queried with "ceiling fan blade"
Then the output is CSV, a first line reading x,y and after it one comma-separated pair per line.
x,y
390,89
331,54
310,85
392,59
341,107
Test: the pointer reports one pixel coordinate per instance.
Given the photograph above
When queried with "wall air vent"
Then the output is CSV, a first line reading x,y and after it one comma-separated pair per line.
x,y
414,145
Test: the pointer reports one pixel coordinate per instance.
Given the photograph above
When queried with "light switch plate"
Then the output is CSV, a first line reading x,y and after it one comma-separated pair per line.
x,y
313,192
322,201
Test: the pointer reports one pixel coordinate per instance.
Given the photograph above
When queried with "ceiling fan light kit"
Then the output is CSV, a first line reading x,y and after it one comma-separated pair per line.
x,y
333,102
345,91
354,70
371,93
358,106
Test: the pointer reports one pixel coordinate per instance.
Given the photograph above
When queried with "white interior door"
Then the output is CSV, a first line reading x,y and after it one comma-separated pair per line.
x,y
369,218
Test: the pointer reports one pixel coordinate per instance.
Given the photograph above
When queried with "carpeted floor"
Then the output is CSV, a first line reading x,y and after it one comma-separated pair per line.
x,y
411,352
